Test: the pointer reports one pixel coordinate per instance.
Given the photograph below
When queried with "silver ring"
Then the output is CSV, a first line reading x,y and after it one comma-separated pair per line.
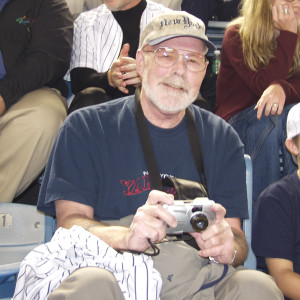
x,y
286,10
275,105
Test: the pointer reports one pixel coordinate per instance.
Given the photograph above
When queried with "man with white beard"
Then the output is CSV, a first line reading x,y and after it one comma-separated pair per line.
x,y
100,178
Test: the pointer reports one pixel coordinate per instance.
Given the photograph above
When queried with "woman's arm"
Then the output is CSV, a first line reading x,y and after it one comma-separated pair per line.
x,y
277,69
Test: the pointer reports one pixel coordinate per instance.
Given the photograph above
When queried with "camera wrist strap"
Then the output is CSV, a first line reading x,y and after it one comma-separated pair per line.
x,y
145,139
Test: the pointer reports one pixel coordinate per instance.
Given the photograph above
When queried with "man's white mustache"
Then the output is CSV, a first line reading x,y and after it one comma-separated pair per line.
x,y
177,83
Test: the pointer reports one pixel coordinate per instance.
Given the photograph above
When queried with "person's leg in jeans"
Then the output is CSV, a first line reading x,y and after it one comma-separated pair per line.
x,y
263,142
202,9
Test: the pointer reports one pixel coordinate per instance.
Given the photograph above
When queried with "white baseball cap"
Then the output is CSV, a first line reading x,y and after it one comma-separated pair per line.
x,y
174,24
293,122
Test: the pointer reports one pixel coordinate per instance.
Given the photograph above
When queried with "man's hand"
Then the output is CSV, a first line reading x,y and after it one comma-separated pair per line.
x,y
217,240
2,106
123,71
284,17
271,101
148,222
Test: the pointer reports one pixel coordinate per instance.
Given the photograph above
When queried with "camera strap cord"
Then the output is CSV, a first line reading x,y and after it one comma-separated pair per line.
x,y
145,139
147,147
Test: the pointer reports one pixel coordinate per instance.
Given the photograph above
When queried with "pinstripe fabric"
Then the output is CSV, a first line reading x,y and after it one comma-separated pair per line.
x,y
48,265
98,37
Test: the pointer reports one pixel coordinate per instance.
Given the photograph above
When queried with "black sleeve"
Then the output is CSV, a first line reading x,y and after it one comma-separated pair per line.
x,y
46,58
82,78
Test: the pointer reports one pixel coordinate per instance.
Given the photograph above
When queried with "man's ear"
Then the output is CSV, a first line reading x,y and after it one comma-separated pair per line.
x,y
292,147
139,62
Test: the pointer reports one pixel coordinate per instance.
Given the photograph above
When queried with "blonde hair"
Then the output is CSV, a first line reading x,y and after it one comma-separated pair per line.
x,y
256,29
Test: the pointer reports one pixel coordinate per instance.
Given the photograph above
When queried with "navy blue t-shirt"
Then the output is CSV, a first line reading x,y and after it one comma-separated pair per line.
x,y
276,223
98,160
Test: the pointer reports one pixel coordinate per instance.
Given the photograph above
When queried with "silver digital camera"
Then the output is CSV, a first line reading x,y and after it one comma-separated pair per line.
x,y
191,215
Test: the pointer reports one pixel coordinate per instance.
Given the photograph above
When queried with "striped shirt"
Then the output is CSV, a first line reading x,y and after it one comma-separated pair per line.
x,y
97,39
45,267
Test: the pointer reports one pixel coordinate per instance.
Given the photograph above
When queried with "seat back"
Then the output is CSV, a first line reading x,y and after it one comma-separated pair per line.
x,y
250,262
22,228
215,32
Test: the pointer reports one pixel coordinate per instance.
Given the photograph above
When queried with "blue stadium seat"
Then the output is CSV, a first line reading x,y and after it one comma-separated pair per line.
x,y
215,32
22,228
250,262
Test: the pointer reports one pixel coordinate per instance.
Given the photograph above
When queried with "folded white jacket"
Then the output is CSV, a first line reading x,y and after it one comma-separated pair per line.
x,y
45,267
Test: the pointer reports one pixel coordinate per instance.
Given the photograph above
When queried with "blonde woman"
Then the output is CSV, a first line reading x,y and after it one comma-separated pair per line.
x,y
259,81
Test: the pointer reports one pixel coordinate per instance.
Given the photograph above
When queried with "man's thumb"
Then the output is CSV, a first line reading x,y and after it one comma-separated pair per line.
x,y
125,50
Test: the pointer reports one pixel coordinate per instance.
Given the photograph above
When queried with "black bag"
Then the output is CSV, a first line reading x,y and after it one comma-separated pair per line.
x,y
185,189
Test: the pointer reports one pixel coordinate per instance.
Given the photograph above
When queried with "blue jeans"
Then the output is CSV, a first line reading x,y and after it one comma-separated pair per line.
x,y
264,139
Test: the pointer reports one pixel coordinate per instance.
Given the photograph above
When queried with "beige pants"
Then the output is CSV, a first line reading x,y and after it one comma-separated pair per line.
x,y
27,132
183,273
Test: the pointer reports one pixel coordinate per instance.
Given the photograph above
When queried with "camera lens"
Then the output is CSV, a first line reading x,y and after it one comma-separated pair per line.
x,y
199,221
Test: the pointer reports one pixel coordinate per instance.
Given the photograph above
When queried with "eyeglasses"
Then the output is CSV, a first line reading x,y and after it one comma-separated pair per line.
x,y
167,57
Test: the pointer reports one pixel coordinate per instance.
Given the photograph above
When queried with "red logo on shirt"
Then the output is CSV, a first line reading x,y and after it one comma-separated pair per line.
x,y
140,185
